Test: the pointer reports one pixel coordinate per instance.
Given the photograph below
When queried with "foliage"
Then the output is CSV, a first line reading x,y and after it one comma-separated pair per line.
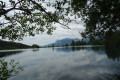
x,y
30,17
35,46
66,45
112,38
12,45
21,18
78,43
82,43
9,69
53,45
100,16
96,41
73,43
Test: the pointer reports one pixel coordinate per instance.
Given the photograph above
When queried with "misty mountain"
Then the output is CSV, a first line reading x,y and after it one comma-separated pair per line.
x,y
66,41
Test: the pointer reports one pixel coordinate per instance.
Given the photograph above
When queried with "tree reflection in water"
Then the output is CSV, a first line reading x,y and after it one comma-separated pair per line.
x,y
9,69
9,53
35,49
113,52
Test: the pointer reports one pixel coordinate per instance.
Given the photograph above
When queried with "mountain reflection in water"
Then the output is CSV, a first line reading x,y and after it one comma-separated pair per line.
x,y
111,52
70,63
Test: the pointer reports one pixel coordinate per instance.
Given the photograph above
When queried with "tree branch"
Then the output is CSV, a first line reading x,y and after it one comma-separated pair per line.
x,y
50,16
8,10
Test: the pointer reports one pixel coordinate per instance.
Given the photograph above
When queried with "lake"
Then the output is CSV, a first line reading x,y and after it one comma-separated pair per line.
x,y
70,63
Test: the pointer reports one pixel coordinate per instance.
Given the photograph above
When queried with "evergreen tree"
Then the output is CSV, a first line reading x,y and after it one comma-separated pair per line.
x,y
66,44
73,43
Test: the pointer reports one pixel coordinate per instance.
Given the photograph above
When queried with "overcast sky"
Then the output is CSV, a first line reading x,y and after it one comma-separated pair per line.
x,y
59,33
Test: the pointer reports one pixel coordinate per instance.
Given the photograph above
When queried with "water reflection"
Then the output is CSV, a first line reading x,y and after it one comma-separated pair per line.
x,y
116,73
71,63
101,48
71,49
8,53
113,52
35,49
63,49
78,48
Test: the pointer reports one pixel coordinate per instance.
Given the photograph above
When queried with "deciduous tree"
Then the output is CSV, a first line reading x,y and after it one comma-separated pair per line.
x,y
19,18
100,16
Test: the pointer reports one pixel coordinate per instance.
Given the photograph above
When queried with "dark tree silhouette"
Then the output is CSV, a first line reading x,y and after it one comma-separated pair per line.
x,y
29,17
73,43
100,16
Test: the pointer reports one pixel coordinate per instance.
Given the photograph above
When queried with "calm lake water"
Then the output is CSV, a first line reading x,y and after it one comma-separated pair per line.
x,y
72,63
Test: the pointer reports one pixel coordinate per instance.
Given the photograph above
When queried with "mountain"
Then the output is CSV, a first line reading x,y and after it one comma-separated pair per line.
x,y
66,41
12,45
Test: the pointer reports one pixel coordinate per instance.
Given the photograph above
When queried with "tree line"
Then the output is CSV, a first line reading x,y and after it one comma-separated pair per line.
x,y
15,45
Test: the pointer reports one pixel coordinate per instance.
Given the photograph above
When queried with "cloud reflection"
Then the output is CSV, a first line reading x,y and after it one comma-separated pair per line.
x,y
83,64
